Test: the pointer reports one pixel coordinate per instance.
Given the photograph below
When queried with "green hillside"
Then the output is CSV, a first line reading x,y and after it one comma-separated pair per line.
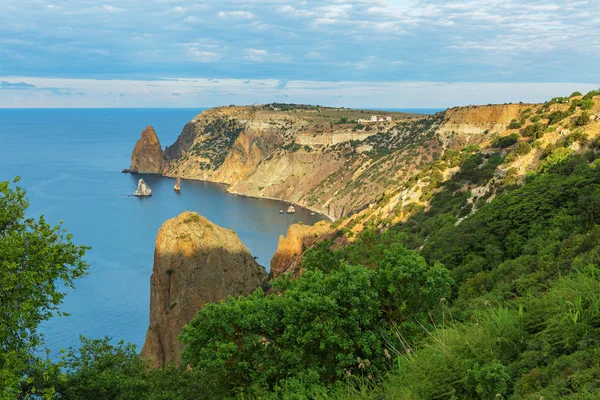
x,y
493,298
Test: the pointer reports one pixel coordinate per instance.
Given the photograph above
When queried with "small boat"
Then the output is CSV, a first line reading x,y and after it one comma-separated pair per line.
x,y
312,214
291,210
280,211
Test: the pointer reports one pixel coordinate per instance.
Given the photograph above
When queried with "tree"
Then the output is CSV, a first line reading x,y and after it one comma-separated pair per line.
x,y
35,260
327,323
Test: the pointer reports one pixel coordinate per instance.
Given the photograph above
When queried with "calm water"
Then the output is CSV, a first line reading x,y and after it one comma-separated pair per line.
x,y
70,163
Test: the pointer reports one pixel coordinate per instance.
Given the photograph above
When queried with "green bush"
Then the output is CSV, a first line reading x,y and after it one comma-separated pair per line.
x,y
326,322
557,116
515,124
506,141
583,119
535,131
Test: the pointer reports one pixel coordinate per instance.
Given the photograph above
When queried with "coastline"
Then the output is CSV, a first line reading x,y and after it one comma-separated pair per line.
x,y
227,186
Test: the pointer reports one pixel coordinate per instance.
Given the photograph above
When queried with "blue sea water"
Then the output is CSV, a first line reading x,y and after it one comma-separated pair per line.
x,y
70,162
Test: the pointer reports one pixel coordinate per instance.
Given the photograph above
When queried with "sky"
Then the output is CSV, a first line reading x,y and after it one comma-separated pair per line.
x,y
353,53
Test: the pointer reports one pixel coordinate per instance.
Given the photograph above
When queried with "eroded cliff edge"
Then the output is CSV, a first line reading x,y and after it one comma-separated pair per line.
x,y
327,159
378,173
195,262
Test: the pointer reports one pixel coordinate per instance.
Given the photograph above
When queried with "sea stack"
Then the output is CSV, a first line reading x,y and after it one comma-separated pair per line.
x,y
195,262
177,186
143,189
147,156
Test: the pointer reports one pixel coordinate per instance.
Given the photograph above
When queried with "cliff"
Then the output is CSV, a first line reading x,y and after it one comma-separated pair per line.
x,y
376,173
195,262
291,247
147,156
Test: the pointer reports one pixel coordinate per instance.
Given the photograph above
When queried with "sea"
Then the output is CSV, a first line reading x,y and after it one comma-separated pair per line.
x,y
70,162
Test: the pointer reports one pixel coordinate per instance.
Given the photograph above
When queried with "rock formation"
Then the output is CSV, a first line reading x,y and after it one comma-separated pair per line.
x,y
309,156
291,246
195,262
177,186
147,156
143,189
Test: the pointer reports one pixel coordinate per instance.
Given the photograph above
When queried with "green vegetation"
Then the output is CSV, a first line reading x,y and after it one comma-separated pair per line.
x,y
318,327
583,119
218,138
35,260
506,141
478,294
514,124
557,116
535,131
193,217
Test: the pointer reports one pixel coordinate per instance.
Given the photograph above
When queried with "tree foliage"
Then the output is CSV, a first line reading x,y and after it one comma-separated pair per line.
x,y
35,259
328,323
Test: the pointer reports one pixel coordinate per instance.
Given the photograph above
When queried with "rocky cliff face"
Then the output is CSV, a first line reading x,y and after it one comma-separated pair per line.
x,y
290,248
195,262
147,156
323,159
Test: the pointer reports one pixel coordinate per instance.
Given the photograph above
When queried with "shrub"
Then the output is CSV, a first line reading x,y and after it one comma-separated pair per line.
x,y
557,116
591,94
505,141
514,124
322,323
471,148
583,119
193,217
535,131
523,148
587,104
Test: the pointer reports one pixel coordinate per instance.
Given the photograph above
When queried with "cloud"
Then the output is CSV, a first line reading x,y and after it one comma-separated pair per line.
x,y
27,86
235,14
281,85
205,92
256,55
353,40
16,85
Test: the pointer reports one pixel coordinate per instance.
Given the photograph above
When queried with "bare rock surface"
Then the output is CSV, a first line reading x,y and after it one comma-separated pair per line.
x,y
147,156
143,189
195,262
291,247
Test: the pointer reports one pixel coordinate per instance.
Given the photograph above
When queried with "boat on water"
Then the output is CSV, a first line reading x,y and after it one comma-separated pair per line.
x,y
291,210
280,211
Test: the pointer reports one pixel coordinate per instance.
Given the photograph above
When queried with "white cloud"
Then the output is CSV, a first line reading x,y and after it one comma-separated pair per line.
x,y
194,92
235,14
256,55
436,40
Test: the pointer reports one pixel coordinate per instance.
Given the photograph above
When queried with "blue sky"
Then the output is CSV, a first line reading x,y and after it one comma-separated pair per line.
x,y
378,53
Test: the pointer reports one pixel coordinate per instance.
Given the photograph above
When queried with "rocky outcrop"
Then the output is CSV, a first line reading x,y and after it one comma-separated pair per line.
x,y
291,247
322,159
177,186
195,262
143,189
147,156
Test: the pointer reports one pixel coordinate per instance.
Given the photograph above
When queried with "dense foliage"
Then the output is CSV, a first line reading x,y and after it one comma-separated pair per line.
x,y
35,258
334,320
467,299
526,300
